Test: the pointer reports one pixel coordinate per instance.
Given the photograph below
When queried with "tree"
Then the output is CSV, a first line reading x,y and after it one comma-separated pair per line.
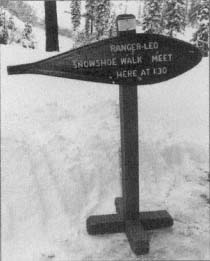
x,y
11,24
3,28
90,7
152,16
75,13
201,36
140,9
102,16
97,17
174,16
193,10
112,29
27,38
2,17
13,35
51,26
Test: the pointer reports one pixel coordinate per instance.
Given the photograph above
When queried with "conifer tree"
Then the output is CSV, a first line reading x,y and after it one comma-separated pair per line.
x,y
174,16
11,24
102,16
201,36
27,31
3,27
90,7
12,31
2,16
192,15
112,29
152,16
27,38
75,13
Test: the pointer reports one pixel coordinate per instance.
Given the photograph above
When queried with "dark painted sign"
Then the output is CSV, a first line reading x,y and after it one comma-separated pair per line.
x,y
139,59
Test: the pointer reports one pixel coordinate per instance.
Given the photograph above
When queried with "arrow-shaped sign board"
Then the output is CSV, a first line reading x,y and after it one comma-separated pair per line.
x,y
137,59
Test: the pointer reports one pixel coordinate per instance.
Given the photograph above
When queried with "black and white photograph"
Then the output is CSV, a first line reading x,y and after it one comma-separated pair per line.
x,y
105,149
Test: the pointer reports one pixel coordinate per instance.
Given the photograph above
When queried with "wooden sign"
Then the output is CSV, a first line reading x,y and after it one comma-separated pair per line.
x,y
137,59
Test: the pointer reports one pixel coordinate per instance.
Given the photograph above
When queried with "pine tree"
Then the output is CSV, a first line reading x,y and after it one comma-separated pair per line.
x,y
3,28
27,31
174,16
152,16
192,15
201,36
2,16
112,29
12,31
75,13
11,24
90,7
102,16
27,38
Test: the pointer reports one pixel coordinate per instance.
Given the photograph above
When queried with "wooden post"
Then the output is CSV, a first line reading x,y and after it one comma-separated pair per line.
x,y
129,132
51,26
129,150
137,237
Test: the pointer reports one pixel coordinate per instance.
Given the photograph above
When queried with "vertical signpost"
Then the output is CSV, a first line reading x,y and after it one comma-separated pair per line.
x,y
128,206
129,60
129,132
128,219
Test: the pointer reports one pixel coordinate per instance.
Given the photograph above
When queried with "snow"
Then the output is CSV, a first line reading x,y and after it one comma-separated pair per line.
x,y
61,163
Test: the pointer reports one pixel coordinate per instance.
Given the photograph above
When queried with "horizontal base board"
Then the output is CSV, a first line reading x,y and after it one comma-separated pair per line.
x,y
103,224
135,229
149,219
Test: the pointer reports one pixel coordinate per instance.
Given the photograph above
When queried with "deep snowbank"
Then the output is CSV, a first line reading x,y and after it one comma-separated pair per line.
x,y
61,163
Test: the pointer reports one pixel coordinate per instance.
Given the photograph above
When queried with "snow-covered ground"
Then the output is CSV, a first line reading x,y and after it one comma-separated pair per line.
x,y
60,164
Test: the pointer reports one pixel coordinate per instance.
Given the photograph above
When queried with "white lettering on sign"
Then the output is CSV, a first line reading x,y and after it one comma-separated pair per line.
x,y
142,73
95,63
162,58
160,70
131,60
126,74
132,47
145,72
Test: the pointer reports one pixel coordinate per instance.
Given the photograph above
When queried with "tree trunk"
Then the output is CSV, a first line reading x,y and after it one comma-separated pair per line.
x,y
91,26
186,11
51,26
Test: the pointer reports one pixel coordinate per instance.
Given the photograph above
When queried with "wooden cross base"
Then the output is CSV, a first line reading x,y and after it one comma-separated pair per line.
x,y
135,229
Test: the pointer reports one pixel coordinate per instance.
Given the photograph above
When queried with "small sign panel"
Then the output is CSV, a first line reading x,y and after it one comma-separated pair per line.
x,y
127,24
139,59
